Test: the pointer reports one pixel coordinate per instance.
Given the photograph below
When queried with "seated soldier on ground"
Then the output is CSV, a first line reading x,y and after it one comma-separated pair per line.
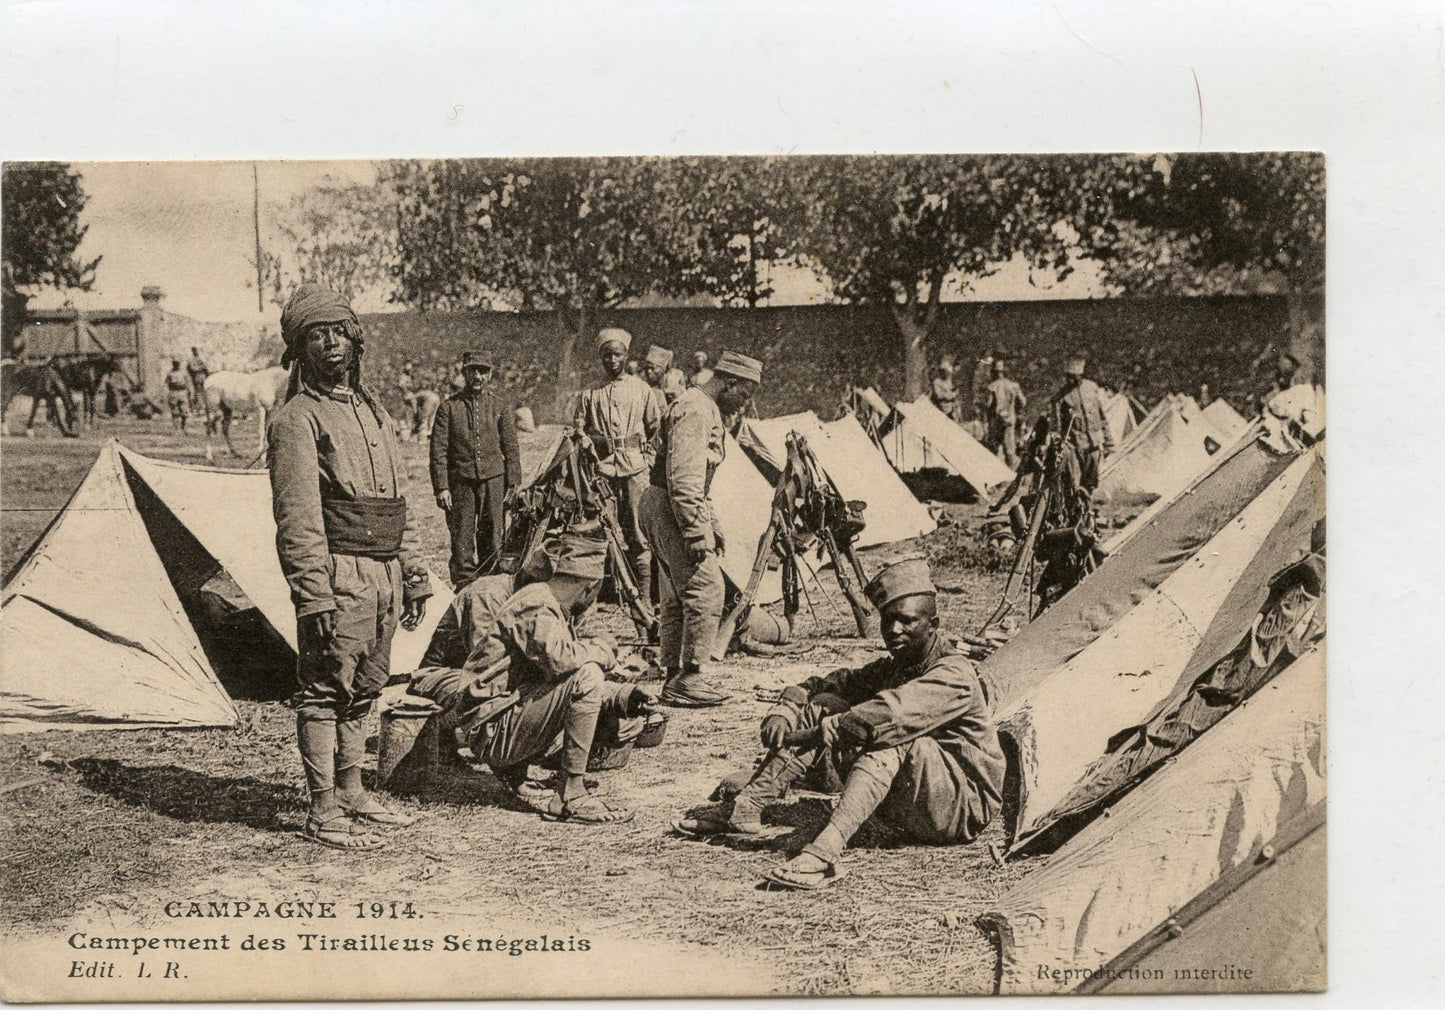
x,y
911,733
528,679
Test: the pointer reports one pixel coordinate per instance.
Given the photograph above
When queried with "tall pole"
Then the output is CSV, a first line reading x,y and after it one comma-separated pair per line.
x,y
256,220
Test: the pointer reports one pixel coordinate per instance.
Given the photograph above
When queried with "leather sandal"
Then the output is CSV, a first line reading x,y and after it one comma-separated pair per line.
x,y
587,809
784,879
338,831
372,811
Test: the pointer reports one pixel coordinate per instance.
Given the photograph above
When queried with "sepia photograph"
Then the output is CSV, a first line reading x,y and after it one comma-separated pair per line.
x,y
756,575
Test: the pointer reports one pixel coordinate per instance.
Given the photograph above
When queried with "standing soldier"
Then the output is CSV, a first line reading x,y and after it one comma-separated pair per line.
x,y
1077,412
660,375
178,394
1005,402
475,461
701,375
978,389
196,371
682,529
349,549
942,392
622,416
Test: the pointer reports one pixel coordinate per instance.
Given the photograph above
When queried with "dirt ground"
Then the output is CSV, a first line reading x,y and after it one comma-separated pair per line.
x,y
120,822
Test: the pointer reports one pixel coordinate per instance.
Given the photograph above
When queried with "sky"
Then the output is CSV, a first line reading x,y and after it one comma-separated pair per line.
x,y
187,227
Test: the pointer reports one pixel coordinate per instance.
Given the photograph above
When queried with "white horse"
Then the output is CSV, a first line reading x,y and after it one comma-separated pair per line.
x,y
229,392
423,414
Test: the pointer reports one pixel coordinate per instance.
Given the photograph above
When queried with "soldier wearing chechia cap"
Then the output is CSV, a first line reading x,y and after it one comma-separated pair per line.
x,y
658,370
623,416
350,551
912,732
682,529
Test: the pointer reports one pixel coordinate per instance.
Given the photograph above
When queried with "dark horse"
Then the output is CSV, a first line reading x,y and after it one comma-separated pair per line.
x,y
42,383
85,375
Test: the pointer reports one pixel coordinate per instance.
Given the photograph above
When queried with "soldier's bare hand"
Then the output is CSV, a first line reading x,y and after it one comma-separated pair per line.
x,y
319,627
774,732
412,613
444,501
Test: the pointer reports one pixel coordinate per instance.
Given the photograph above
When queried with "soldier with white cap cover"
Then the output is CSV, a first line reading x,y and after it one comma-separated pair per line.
x,y
623,415
913,733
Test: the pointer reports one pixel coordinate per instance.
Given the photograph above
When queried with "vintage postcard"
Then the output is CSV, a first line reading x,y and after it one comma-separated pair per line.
x,y
641,576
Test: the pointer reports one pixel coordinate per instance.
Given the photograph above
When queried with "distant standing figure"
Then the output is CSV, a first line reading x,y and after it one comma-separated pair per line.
x,y
942,392
178,394
701,374
196,371
475,461
978,388
660,375
1005,402
1078,409
622,416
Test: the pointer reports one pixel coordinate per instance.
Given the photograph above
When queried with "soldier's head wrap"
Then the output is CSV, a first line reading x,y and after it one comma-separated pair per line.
x,y
739,366
908,577
659,357
614,334
1075,365
311,305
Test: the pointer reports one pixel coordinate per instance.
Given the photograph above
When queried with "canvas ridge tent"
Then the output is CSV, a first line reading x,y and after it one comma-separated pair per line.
x,y
1141,557
1174,443
918,436
854,465
1266,915
1194,618
1215,809
113,617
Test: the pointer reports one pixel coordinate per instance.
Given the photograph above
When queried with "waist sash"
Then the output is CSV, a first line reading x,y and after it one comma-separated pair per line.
x,y
371,527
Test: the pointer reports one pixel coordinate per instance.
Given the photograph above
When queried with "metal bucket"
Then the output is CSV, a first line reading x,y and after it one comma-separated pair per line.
x,y
408,746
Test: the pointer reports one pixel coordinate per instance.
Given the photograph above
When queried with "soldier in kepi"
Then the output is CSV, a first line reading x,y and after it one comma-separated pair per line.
x,y
622,416
475,461
1077,414
349,549
911,734
682,529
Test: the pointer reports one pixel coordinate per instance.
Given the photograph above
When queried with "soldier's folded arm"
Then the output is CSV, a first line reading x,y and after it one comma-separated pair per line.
x,y
916,708
296,504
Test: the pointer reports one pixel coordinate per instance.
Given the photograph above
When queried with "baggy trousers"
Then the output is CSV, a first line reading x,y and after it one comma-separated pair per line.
x,y
338,679
348,671
691,595
475,521
1003,440
571,707
627,493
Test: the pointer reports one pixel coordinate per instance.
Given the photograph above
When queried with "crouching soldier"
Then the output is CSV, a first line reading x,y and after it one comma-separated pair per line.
x,y
911,733
555,683
349,549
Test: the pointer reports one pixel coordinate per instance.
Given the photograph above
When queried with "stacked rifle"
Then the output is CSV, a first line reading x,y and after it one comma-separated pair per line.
x,y
572,495
808,513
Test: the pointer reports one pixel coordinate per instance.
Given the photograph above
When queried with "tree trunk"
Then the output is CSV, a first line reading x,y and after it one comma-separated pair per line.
x,y
1306,341
569,371
915,328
